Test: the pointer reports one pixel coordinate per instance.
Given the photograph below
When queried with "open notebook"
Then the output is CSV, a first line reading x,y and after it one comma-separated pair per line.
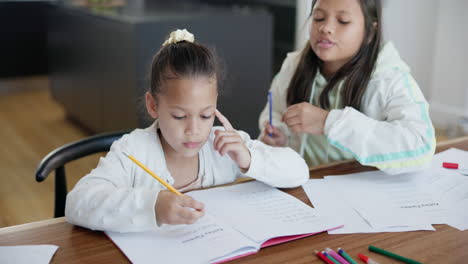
x,y
239,220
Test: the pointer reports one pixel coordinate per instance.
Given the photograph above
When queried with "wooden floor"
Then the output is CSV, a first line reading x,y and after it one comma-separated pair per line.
x,y
32,125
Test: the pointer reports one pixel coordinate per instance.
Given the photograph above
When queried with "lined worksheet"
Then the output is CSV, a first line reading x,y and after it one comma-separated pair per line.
x,y
238,220
330,202
261,212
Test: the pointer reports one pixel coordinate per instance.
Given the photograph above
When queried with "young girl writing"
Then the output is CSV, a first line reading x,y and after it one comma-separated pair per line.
x,y
345,96
182,147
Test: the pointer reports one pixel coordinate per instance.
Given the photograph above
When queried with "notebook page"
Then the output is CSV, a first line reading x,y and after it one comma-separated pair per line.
x,y
261,212
202,242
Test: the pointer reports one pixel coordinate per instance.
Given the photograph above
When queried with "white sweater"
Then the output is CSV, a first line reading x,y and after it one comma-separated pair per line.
x,y
120,196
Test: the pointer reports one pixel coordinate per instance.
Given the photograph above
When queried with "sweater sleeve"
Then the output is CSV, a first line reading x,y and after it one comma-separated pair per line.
x,y
276,166
403,141
106,199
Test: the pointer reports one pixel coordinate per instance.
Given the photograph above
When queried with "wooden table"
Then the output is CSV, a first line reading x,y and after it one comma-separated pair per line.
x,y
80,245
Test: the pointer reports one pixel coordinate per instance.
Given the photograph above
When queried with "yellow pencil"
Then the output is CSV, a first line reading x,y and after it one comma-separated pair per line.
x,y
163,182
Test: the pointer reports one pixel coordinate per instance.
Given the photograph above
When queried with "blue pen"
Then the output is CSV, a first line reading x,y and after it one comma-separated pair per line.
x,y
270,107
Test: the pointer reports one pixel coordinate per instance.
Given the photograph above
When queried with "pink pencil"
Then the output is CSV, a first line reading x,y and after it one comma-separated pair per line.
x,y
336,256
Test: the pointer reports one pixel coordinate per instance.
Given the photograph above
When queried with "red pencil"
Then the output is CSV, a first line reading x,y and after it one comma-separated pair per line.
x,y
322,257
449,165
366,259
455,166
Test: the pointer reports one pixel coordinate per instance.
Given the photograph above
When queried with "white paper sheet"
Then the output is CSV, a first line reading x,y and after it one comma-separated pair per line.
x,y
332,206
39,254
450,187
458,215
374,201
389,200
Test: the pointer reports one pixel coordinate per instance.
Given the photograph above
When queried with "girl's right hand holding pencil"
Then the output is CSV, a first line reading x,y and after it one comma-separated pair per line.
x,y
277,138
176,209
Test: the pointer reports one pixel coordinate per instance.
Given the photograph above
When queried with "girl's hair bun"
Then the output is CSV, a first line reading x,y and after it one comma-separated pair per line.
x,y
178,36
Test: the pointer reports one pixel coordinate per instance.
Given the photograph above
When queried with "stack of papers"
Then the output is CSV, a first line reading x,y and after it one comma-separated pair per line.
x,y
377,202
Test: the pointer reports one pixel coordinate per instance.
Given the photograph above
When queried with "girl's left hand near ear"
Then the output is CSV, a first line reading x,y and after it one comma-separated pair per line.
x,y
230,142
305,118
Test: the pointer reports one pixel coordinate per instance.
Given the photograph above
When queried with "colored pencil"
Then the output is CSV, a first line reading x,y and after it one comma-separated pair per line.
x,y
322,257
330,257
392,255
335,255
346,256
366,259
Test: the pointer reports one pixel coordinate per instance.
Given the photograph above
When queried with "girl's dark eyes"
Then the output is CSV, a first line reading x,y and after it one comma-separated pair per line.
x,y
323,19
182,117
206,116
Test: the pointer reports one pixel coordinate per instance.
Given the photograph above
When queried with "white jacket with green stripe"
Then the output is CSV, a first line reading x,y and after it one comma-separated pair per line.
x,y
393,131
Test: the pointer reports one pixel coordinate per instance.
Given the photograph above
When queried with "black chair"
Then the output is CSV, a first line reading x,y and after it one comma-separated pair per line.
x,y
57,159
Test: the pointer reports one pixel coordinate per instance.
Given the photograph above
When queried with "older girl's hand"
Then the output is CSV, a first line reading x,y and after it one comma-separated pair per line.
x,y
273,136
305,118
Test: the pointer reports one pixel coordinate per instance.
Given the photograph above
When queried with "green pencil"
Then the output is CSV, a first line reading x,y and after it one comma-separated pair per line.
x,y
346,256
330,257
392,255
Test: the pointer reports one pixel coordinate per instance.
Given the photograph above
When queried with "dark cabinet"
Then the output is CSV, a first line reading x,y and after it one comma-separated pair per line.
x,y
99,62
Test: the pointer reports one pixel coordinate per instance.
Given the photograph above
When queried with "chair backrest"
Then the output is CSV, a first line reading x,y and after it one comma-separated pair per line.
x,y
57,159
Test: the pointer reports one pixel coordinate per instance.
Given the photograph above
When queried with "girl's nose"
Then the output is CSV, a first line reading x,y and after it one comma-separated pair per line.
x,y
326,27
193,127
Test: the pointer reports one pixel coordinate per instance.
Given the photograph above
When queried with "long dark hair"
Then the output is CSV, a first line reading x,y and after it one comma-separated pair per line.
x,y
356,72
183,59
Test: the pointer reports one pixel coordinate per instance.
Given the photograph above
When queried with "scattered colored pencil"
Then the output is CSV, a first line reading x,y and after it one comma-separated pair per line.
x,y
392,255
346,256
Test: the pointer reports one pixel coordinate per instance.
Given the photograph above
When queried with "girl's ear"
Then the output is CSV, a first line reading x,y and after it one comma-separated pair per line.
x,y
373,32
151,105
